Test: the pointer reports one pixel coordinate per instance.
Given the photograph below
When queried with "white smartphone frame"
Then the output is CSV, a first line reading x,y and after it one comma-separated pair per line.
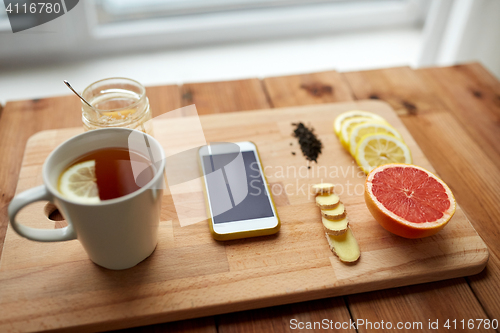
x,y
237,226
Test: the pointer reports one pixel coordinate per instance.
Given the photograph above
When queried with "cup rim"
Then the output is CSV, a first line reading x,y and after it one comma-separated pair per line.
x,y
55,192
142,95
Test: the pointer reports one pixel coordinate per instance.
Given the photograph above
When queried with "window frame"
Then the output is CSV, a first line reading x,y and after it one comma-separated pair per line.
x,y
78,33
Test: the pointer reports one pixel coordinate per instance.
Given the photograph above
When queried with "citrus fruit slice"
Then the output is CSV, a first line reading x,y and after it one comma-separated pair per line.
x,y
371,127
350,114
374,150
347,126
408,200
79,183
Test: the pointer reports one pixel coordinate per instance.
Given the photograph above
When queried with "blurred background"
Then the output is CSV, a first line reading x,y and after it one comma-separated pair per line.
x,y
177,41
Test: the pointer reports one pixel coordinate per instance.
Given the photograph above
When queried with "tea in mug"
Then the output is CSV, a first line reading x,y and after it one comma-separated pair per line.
x,y
105,174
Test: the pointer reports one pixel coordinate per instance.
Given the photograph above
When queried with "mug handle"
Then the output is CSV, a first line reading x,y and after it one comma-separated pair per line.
x,y
39,193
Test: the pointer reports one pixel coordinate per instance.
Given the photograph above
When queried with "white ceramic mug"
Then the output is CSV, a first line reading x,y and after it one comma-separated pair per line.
x,y
117,233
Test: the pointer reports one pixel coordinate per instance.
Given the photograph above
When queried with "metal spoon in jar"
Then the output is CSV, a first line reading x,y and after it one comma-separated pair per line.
x,y
77,94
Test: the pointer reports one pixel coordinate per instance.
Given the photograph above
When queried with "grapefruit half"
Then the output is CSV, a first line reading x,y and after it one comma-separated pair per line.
x,y
408,200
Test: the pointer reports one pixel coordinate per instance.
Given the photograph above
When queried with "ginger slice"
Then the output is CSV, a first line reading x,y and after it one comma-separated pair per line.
x,y
344,246
323,188
335,214
335,227
327,201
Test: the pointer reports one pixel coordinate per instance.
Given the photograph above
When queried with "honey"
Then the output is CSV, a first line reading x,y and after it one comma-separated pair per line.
x,y
117,102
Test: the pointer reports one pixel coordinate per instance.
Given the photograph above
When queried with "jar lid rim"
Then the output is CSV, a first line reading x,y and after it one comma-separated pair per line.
x,y
140,86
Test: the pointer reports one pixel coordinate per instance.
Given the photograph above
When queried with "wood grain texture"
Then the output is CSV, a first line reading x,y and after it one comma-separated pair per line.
x,y
305,316
315,88
21,119
415,306
163,99
476,107
400,87
459,160
199,325
408,93
18,121
228,96
474,164
487,288
191,276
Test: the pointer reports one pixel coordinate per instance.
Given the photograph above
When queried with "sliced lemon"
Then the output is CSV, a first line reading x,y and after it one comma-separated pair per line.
x,y
371,127
374,150
337,124
348,125
79,183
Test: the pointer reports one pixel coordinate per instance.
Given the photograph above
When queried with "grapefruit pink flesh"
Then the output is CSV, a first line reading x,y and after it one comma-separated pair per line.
x,y
408,200
411,194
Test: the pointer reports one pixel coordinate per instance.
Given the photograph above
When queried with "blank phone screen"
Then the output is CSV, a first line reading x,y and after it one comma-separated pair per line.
x,y
236,187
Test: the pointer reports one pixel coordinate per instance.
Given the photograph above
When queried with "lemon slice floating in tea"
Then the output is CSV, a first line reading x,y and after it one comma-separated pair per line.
x,y
79,183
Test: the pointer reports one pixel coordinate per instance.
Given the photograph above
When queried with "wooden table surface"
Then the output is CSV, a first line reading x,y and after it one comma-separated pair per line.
x,y
454,115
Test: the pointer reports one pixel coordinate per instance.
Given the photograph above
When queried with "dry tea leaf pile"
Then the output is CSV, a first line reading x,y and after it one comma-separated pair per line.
x,y
309,143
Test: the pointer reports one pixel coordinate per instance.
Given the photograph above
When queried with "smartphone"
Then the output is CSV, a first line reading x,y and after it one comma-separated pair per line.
x,y
239,203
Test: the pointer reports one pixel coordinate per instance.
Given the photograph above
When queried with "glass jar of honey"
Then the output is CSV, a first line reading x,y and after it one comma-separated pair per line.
x,y
116,102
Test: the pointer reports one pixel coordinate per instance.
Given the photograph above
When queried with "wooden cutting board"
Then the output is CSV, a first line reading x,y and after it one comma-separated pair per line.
x,y
46,286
